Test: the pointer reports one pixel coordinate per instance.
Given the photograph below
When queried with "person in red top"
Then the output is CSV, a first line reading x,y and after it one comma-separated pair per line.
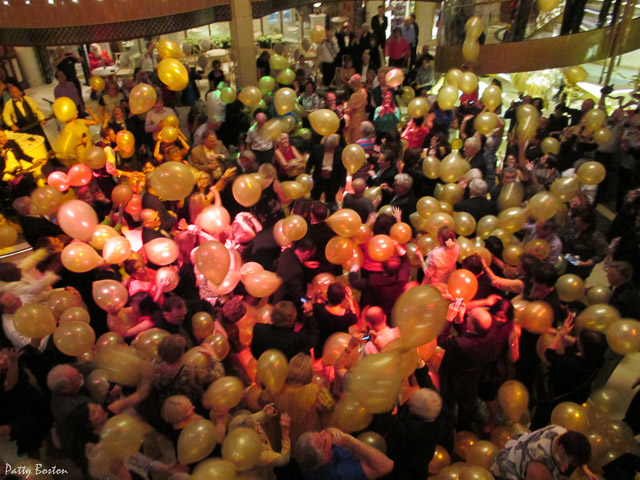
x,y
415,133
397,49
98,58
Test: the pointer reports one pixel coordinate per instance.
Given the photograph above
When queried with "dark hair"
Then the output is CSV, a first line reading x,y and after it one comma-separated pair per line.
x,y
494,245
147,306
171,348
529,262
446,233
319,210
105,131
310,82
172,302
587,216
9,272
496,82
411,157
284,314
502,306
336,293
594,345
383,224
544,274
418,121
234,310
390,155
302,207
576,446
473,263
306,244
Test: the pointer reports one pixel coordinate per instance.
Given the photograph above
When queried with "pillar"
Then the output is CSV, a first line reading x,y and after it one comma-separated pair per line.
x,y
425,13
29,66
242,43
371,10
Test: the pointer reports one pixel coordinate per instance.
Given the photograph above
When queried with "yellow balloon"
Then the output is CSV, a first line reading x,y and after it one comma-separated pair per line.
x,y
146,343
462,442
34,321
527,128
470,50
375,381
278,62
266,84
142,98
448,96
202,325
122,363
537,317
598,294
514,399
482,453
469,82
565,188
246,190
453,77
306,181
440,460
492,97
169,49
543,205
65,109
74,338
345,222
80,258
262,284
271,130
570,287
512,219
595,119
431,167
173,74
418,107
122,436
450,193
485,123
374,440
571,416
324,122
350,415
550,145
173,181
213,260
317,34
623,336
408,93
243,447
511,254
215,469
97,83
75,314
196,441
453,167
591,173
219,343
486,225
598,317
575,74
474,27
250,96
292,190
286,77
223,394
353,157
420,314
464,223
294,227
601,135
284,100
339,250
427,206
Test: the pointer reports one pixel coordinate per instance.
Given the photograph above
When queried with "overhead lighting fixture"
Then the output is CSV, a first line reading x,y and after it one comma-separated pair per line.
x,y
5,2
28,2
317,5
50,2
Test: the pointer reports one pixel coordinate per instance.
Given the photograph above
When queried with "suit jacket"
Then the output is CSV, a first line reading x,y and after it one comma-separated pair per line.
x,y
344,49
288,341
625,299
478,207
379,27
292,273
338,173
200,162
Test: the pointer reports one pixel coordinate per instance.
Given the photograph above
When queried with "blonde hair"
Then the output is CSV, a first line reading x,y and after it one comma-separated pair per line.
x,y
176,409
300,369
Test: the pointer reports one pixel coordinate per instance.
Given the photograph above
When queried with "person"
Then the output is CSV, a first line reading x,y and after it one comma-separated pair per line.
x,y
153,120
67,89
261,147
441,261
477,204
425,77
327,53
551,452
545,230
410,34
262,64
415,133
355,108
216,75
387,116
344,37
379,24
211,156
109,100
309,100
473,154
333,454
585,242
288,160
381,334
398,49
66,61
403,197
329,172
21,113
291,270
357,201
625,294
337,315
98,58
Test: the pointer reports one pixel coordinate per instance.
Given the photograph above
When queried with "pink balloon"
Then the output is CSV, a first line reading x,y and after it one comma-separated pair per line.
x,y
79,175
169,274
213,219
116,250
228,284
58,180
77,219
161,251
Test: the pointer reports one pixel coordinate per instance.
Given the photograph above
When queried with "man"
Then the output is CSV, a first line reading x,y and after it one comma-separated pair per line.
x,y
291,270
377,94
215,106
261,147
174,313
379,24
151,225
34,227
150,199
329,173
153,120
246,163
13,161
545,230
410,34
327,53
66,88
213,124
385,175
507,176
473,154
381,333
477,204
625,293
21,113
333,454
211,156
365,65
357,201
344,36
552,452
403,197
320,233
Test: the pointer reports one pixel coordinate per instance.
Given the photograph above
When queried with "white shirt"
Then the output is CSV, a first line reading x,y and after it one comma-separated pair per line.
x,y
256,142
215,106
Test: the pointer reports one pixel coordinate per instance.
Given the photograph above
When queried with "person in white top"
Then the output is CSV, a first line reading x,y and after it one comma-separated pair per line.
x,y
380,332
442,260
215,106
153,120
261,147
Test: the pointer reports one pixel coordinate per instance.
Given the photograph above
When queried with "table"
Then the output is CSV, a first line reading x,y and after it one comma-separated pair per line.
x,y
32,145
218,53
104,71
339,19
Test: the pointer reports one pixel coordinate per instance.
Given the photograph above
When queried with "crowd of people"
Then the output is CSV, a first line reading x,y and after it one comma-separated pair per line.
x,y
374,300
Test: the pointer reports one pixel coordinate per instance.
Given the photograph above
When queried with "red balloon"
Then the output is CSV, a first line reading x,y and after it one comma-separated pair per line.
x,y
134,205
79,175
58,180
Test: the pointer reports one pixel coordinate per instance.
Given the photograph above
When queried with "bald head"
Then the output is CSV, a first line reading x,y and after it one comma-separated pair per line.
x,y
376,318
359,186
479,321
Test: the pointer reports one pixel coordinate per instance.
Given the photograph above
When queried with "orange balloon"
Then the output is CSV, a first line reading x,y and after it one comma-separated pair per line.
x,y
463,284
440,460
339,250
324,121
537,317
345,222
294,227
462,442
380,248
401,232
246,190
213,219
121,194
262,284
80,258
77,219
161,251
363,234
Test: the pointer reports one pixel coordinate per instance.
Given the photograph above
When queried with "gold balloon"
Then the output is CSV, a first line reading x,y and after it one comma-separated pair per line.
x,y
374,440
266,84
452,472
161,251
453,77
598,294
571,416
537,247
34,321
212,260
338,250
324,121
575,74
474,27
466,248
262,284
278,234
173,74
243,447
215,469
306,181
511,254
345,222
462,442
431,167
228,95
450,193
420,314
62,300
401,232
485,123
284,100
142,98
246,190
173,181
196,441
380,248
418,107
168,134
80,258
447,96
470,51
514,399
427,206
77,219
537,317
565,188
333,347
492,97
98,384
45,200
109,295
294,227
607,401
223,394
469,82
543,205
570,287
375,381
74,338
601,135
500,436
453,167
286,77
322,281
75,314
317,34
591,173
116,250
292,190
512,219
350,415
440,460
550,145
623,336
122,363
146,343
169,49
597,317
394,77
122,436
250,96
464,223
213,219
408,93
353,157
64,109
594,119
97,83
482,454
278,62
476,473
527,127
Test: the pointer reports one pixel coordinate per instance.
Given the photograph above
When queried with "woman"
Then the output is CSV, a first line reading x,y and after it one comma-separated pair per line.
x,y
337,315
216,75
289,162
109,100
262,64
356,108
441,261
309,100
582,239
424,75
346,72
387,115
415,132
397,49
439,145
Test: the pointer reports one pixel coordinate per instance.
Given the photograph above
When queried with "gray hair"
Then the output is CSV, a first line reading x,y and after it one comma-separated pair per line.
x,y
367,128
404,180
306,454
472,142
472,174
426,404
58,377
477,188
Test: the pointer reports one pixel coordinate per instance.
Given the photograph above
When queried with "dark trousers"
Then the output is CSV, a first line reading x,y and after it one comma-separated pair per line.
x,y
263,156
328,72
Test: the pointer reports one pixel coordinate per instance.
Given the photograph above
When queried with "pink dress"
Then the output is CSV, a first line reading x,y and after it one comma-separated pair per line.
x,y
357,114
441,262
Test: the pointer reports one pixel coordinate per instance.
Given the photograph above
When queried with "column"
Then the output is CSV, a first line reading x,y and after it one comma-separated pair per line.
x,y
242,43
424,12
372,9
30,66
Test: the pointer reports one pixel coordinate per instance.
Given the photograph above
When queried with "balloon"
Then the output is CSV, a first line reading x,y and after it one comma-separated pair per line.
x,y
598,294
243,447
122,436
173,180
463,284
169,49
161,251
514,399
338,250
80,258
408,94
74,338
219,343
121,195
250,96
8,236
427,206
324,121
450,193
97,83
438,220
202,325
565,188
122,363
173,74
469,82
418,107
462,442
228,95
512,219
213,260
601,135
595,119
607,401
476,473
464,223
77,219
345,222
470,51
278,234
374,440
100,235
575,74
98,385
571,416
95,157
623,336
550,145
266,84
278,62
453,77
492,97
380,248
431,167
272,370
426,243
196,441
262,284
168,134
284,100
292,190
294,227
511,254
453,167
286,77
537,247
213,219
474,27
570,287
500,436
543,205
375,381
246,190
59,180
447,97
45,200
482,453
537,317
394,77
109,295
597,317
34,321
75,314
452,472
304,133
401,232
62,300
350,415
591,173
116,250
353,157
215,469
440,460
223,394
420,314
486,225
306,181
142,98
333,347
317,34
485,123
64,109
